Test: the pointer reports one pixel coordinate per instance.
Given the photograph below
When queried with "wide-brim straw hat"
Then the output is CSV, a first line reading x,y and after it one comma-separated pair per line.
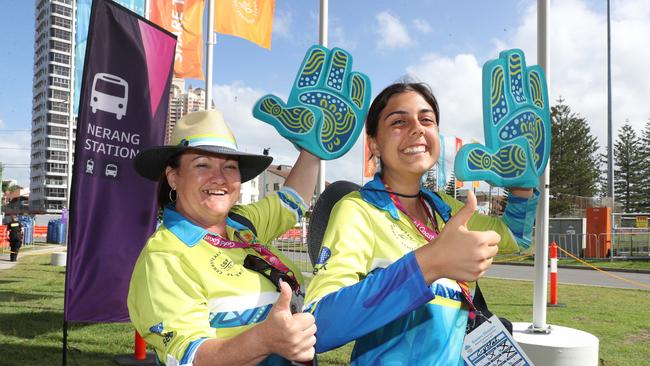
x,y
204,131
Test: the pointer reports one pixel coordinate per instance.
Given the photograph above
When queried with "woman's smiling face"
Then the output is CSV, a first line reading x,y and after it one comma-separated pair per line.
x,y
207,187
407,139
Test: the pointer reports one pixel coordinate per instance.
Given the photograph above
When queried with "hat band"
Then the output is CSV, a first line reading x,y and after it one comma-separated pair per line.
x,y
209,140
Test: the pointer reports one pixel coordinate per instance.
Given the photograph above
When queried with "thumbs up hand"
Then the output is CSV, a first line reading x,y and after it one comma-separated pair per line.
x,y
458,253
291,336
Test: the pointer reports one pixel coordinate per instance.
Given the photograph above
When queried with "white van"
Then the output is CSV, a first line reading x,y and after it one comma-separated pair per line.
x,y
110,93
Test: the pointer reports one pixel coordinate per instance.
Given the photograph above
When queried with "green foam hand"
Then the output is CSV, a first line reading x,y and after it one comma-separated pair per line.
x,y
327,105
516,123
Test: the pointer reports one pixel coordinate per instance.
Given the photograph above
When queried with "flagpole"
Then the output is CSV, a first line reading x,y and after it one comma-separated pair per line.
x,y
541,220
209,46
322,39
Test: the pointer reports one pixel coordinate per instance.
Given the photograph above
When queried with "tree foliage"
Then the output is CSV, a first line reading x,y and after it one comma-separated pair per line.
x,y
574,158
628,175
644,204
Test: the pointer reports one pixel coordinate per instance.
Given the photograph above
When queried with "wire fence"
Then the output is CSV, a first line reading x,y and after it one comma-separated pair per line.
x,y
624,244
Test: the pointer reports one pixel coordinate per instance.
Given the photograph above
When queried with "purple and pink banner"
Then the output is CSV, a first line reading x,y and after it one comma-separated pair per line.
x,y
122,110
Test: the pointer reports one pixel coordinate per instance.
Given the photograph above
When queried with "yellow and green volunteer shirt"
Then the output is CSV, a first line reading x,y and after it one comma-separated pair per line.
x,y
368,287
184,290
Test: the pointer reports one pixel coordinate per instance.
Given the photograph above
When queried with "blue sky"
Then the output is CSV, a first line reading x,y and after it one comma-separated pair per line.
x,y
443,43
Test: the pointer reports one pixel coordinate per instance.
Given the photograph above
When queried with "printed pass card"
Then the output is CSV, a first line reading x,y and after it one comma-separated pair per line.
x,y
491,344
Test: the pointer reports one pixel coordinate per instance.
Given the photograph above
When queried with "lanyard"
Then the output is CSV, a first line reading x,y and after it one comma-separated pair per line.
x,y
267,255
429,235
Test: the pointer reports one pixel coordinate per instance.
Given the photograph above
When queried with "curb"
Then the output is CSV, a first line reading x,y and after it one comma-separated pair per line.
x,y
624,270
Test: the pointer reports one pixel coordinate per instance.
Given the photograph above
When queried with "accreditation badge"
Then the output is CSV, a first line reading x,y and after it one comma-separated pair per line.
x,y
491,344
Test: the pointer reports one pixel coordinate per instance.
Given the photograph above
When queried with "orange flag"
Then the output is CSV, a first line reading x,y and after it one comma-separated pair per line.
x,y
369,164
459,144
248,19
185,20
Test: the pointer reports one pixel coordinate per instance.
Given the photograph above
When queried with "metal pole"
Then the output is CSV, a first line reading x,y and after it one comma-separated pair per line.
x,y
147,9
322,39
610,145
212,40
541,226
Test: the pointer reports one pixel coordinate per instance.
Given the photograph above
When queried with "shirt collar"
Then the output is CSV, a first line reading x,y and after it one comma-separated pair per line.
x,y
374,193
185,230
188,232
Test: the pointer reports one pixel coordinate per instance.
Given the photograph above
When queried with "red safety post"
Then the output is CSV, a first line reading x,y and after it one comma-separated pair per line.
x,y
553,276
140,349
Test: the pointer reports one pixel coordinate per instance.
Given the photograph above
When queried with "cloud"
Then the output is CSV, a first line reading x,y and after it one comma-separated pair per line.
x,y
422,25
578,71
14,156
392,33
578,60
282,24
456,83
236,101
339,37
2,124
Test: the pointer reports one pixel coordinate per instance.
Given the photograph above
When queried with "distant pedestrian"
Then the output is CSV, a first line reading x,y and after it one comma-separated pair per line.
x,y
15,229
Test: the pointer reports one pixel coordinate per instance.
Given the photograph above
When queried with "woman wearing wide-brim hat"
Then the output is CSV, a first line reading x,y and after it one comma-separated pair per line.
x,y
200,288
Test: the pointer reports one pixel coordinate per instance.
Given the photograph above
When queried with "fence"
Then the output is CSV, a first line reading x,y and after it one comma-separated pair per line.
x,y
293,244
624,244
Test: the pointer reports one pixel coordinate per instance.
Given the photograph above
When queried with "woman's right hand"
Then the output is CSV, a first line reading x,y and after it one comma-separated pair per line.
x,y
291,336
458,253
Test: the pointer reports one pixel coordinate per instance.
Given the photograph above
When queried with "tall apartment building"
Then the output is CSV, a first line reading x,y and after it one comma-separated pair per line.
x,y
182,102
53,54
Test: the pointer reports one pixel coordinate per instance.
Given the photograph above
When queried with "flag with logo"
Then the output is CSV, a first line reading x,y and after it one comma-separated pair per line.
x,y
184,19
122,110
248,19
81,35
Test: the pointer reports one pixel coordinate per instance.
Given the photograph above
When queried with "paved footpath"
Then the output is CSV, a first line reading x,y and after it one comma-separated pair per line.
x,y
589,277
5,263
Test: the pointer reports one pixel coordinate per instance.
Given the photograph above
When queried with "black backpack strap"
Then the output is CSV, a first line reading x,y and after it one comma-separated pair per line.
x,y
321,213
243,220
479,302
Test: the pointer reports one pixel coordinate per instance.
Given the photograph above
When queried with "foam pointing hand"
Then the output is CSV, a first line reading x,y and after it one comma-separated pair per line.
x,y
516,123
327,105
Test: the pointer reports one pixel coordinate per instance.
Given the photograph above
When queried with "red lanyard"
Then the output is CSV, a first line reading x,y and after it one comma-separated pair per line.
x,y
268,255
429,235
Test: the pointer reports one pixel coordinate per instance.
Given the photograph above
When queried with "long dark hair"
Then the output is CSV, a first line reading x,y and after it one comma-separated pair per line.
x,y
163,186
380,101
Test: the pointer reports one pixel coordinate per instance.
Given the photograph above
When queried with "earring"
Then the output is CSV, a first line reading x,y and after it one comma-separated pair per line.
x,y
170,195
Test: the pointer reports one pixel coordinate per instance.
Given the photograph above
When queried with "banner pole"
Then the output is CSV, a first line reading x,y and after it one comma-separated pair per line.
x,y
64,351
209,47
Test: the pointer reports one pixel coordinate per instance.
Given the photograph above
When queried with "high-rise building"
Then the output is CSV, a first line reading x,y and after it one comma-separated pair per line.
x,y
182,102
53,54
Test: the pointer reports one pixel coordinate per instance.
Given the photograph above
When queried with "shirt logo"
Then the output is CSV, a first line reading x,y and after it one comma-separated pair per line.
x,y
223,265
321,262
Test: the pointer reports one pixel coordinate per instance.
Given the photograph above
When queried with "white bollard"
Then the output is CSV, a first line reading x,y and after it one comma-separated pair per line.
x,y
561,347
59,259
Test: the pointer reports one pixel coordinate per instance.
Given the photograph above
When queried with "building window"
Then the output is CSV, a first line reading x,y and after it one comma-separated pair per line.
x,y
276,186
60,82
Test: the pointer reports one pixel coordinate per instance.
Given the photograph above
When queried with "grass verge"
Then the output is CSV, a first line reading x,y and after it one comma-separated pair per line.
x,y
31,317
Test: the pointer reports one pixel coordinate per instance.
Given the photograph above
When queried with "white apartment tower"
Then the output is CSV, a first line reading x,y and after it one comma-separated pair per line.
x,y
182,102
53,54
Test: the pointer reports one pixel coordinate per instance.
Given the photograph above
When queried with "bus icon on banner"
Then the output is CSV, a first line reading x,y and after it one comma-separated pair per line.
x,y
110,93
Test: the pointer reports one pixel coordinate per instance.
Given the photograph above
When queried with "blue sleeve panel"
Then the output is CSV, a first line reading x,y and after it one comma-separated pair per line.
x,y
519,216
380,298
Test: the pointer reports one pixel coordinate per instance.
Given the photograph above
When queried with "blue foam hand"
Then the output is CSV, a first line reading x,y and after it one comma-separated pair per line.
x,y
327,105
516,123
